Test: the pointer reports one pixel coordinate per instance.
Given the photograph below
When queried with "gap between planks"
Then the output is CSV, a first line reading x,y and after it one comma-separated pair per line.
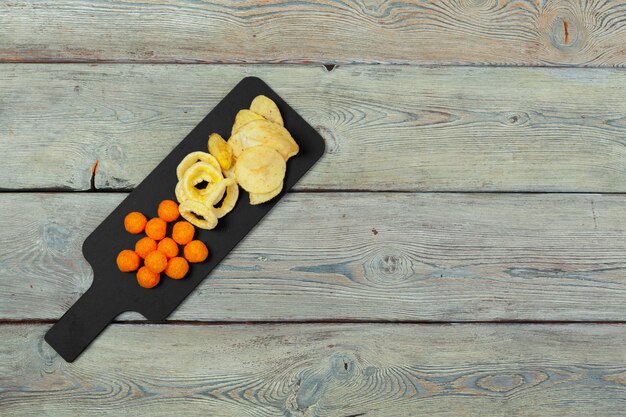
x,y
331,321
328,66
323,191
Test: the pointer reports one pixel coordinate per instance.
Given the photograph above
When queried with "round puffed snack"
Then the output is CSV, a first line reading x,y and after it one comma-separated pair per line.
x,y
192,158
146,278
260,169
198,214
135,222
168,210
144,246
156,228
183,232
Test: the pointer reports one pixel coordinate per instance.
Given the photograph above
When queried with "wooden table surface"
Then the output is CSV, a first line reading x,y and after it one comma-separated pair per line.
x,y
460,249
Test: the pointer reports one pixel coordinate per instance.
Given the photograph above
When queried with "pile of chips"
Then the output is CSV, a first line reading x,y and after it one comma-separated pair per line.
x,y
255,158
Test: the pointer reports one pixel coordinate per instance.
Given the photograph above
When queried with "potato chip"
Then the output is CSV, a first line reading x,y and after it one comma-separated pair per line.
x,y
267,108
194,157
243,117
221,151
263,132
260,169
259,198
237,144
195,174
198,214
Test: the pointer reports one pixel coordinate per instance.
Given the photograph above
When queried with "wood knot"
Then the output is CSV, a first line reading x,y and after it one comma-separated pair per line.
x,y
389,268
57,237
342,366
565,33
500,383
48,357
515,118
306,392
562,28
332,144
374,8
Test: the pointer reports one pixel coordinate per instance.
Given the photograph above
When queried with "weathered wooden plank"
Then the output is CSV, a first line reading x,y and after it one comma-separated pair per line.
x,y
400,128
355,256
320,370
505,32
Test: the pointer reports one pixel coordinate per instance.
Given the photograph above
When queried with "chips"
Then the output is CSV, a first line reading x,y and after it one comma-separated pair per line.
x,y
180,193
198,214
232,195
255,157
197,205
221,151
260,169
194,175
267,108
243,117
264,132
194,157
259,198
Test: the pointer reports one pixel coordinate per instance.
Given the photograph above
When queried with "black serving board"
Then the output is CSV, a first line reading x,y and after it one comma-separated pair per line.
x,y
113,292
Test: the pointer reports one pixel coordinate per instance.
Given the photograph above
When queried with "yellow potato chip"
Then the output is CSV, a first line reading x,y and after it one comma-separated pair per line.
x,y
259,198
263,132
221,150
243,117
194,157
198,214
260,169
267,108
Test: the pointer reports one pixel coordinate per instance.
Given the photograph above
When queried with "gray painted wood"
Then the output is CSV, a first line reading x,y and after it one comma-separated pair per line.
x,y
556,32
387,128
320,370
355,256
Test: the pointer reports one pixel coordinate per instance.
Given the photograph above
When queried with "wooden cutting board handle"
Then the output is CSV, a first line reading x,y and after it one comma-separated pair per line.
x,y
82,323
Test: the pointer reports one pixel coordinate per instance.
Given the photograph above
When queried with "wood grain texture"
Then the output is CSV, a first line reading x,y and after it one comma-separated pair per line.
x,y
320,370
355,256
492,32
387,128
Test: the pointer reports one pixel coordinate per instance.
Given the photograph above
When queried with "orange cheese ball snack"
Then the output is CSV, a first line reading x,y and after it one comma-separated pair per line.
x,y
128,261
177,268
144,246
168,210
156,228
168,247
135,222
156,261
147,278
196,251
183,232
